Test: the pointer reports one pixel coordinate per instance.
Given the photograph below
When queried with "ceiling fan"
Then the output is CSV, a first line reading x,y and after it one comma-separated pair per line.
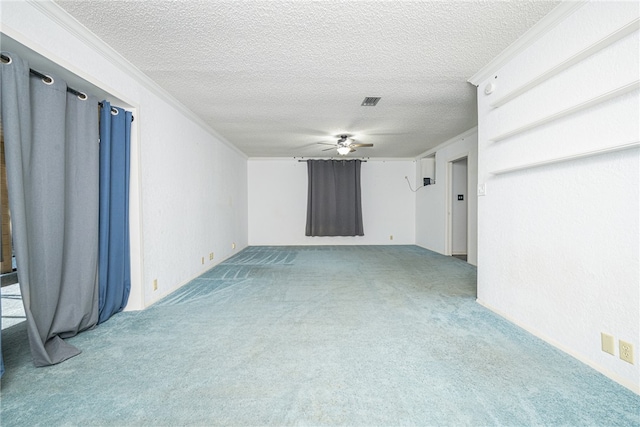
x,y
345,145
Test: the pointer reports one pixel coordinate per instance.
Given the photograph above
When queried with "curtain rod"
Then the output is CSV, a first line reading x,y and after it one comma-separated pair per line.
x,y
114,111
49,80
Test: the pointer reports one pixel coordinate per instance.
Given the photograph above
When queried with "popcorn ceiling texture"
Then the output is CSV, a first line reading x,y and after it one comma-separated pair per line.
x,y
276,77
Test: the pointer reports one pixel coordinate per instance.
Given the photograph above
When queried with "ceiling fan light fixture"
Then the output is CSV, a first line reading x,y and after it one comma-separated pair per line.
x,y
343,151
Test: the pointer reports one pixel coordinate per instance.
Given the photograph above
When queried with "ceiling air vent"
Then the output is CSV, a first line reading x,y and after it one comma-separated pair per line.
x,y
370,101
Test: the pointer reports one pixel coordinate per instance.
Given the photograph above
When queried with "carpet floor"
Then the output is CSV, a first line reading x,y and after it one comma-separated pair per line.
x,y
349,336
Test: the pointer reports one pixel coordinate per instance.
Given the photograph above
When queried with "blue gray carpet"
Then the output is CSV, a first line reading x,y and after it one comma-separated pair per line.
x,y
351,336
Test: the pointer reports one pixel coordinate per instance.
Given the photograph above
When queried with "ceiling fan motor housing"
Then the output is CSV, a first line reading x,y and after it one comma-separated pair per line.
x,y
344,140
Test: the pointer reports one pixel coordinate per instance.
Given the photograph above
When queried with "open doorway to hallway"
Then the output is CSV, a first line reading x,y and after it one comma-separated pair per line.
x,y
458,214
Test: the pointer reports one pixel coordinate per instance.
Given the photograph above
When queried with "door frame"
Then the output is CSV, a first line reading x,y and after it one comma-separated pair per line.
x,y
449,201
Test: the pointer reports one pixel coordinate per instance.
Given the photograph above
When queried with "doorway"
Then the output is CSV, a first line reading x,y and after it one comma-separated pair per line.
x,y
457,195
10,297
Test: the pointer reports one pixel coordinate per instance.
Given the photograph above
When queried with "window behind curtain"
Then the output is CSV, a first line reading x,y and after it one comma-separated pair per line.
x,y
333,202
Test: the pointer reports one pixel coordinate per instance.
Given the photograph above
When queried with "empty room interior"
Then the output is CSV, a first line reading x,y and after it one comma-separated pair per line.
x,y
330,212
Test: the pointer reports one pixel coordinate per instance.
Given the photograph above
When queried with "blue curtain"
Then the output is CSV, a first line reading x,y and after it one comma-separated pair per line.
x,y
114,262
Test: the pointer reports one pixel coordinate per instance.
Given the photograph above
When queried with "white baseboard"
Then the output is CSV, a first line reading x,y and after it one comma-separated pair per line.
x,y
634,387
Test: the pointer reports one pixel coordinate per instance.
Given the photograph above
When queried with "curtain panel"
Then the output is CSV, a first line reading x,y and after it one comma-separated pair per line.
x,y
51,149
114,262
334,205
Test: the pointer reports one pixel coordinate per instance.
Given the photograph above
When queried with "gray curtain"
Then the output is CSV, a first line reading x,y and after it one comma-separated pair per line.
x,y
51,148
334,202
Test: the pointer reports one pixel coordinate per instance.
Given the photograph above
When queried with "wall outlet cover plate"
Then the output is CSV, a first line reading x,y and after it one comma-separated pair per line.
x,y
608,343
626,351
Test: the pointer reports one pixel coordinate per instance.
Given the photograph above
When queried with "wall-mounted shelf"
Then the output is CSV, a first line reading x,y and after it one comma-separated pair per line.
x,y
571,110
583,54
621,147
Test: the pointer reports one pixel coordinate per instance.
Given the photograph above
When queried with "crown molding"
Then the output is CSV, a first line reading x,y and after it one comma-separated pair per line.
x,y
466,134
553,18
57,14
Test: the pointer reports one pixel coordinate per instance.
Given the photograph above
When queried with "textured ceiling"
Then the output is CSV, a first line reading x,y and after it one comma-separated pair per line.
x,y
276,77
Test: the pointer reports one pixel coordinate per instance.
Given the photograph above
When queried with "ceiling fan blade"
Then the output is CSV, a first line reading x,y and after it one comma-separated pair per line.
x,y
325,143
328,149
352,149
360,145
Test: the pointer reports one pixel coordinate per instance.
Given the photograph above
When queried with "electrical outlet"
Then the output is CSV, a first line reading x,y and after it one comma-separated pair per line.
x,y
391,237
626,351
155,284
608,343
202,260
211,256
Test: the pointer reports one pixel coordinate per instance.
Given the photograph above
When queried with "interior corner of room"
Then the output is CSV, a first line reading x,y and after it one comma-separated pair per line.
x,y
537,193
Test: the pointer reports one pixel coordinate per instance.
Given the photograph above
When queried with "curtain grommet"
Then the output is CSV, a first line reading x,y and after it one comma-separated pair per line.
x,y
114,111
6,59
48,80
82,96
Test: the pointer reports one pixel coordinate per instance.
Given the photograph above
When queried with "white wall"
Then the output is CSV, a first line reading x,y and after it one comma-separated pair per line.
x,y
432,201
189,197
558,240
278,204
